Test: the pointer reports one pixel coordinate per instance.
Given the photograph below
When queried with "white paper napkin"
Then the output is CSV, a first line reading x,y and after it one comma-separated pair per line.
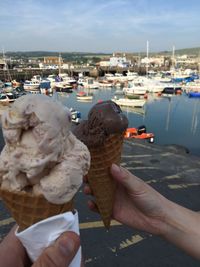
x,y
42,234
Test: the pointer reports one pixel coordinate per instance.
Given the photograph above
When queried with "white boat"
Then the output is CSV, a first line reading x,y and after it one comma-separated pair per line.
x,y
31,85
62,82
7,98
65,78
76,115
137,103
192,86
104,83
63,87
117,77
84,98
136,88
144,85
88,83
131,75
109,77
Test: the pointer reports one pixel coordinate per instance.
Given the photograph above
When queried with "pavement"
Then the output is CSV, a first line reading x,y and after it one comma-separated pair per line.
x,y
171,171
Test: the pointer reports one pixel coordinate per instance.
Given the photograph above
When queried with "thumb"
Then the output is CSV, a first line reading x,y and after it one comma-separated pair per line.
x,y
61,253
130,181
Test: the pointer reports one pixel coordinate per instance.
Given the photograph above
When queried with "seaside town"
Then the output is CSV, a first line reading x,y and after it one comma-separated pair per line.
x,y
137,85
132,76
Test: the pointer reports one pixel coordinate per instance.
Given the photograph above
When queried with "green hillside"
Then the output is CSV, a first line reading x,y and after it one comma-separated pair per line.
x,y
187,51
77,55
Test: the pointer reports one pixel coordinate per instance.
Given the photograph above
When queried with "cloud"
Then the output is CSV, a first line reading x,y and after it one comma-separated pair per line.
x,y
90,24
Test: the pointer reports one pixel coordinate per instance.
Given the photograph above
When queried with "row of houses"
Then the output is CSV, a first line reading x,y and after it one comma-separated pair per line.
x,y
124,60
121,60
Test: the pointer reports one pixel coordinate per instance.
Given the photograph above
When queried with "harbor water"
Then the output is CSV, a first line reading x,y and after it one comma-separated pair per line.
x,y
173,120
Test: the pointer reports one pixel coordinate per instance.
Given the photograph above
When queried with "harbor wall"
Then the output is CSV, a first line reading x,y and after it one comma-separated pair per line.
x,y
27,74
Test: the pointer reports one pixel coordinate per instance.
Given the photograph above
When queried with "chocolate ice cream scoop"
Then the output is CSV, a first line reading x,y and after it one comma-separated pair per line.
x,y
105,118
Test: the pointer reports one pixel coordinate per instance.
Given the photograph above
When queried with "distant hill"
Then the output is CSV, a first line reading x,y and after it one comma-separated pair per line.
x,y
65,55
78,55
185,51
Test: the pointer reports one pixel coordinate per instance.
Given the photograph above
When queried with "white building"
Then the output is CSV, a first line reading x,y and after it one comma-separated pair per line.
x,y
104,63
159,61
119,61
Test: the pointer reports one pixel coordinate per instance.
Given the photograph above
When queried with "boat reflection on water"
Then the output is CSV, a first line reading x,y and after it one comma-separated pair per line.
x,y
139,111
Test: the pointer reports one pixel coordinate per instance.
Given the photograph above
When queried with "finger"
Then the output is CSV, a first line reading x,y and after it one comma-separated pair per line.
x,y
87,190
130,181
61,253
12,252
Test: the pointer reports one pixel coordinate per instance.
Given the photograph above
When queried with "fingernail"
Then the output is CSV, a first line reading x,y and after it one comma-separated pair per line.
x,y
115,168
66,246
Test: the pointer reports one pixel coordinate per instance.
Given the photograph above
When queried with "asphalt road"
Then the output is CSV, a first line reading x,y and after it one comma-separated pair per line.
x,y
168,169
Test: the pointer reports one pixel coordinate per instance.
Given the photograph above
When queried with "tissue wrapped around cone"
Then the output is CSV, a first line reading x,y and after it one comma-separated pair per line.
x,y
27,209
99,177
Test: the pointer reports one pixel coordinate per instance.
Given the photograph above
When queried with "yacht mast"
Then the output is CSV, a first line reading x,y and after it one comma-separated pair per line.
x,y
147,65
6,69
59,64
173,57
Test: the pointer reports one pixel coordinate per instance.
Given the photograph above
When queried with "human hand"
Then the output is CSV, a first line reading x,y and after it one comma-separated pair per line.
x,y
136,204
61,253
139,206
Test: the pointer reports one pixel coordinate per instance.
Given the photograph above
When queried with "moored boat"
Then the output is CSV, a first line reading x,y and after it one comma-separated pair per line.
x,y
172,90
76,115
7,97
139,133
31,85
194,94
130,102
84,96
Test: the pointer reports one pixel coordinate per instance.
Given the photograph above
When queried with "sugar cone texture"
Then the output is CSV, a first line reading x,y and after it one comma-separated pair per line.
x,y
27,209
99,177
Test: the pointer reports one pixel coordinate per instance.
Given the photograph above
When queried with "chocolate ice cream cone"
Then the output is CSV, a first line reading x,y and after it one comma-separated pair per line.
x,y
27,209
99,177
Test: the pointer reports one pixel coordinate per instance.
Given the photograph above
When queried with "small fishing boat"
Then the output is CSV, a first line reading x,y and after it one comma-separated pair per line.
x,y
7,97
32,85
84,96
172,90
137,103
139,133
76,115
15,83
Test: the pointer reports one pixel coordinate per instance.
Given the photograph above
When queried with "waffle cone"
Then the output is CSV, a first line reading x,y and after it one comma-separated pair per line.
x,y
99,177
27,209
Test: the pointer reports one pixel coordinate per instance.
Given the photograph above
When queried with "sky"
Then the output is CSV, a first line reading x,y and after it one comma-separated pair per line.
x,y
104,26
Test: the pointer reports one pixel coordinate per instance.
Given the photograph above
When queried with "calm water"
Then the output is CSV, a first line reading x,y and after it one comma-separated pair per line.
x,y
173,120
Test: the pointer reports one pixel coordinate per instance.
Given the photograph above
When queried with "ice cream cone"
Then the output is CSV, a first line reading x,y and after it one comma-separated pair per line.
x,y
99,177
27,209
